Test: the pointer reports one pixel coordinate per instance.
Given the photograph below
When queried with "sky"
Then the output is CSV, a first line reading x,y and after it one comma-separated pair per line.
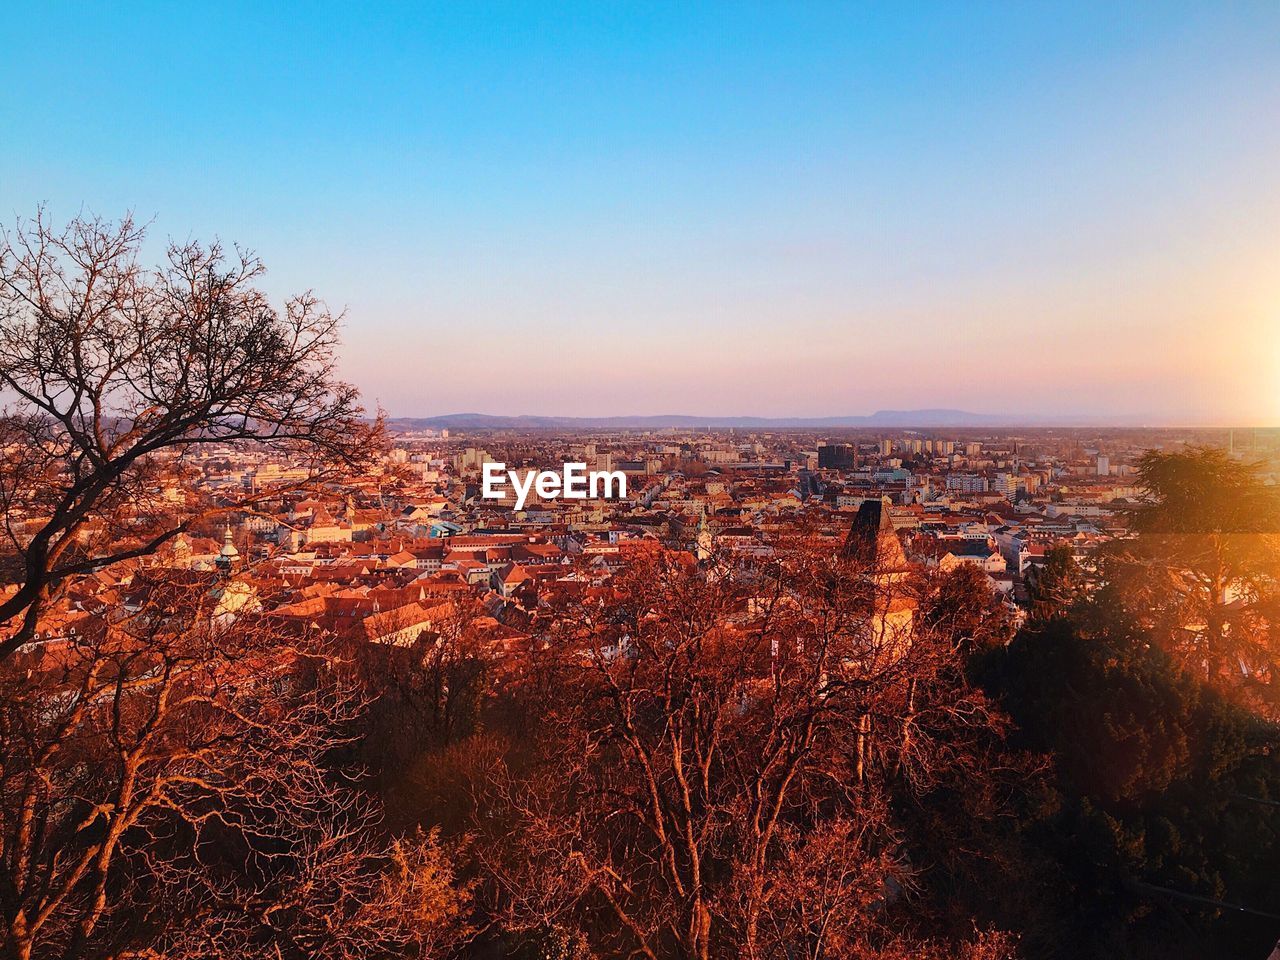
x,y
791,209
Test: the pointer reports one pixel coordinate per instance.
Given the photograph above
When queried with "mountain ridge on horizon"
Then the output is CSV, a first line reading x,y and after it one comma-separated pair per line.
x,y
927,417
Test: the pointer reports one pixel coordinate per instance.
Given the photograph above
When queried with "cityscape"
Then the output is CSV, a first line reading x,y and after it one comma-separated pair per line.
x,y
575,482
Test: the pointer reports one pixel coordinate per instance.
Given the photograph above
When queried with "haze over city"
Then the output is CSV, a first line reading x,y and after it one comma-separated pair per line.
x,y
727,210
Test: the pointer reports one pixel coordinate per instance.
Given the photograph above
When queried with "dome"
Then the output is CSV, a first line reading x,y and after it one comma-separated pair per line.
x,y
228,548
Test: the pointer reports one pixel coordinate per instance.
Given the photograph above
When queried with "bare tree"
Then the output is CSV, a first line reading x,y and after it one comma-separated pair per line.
x,y
112,375
429,692
166,790
720,757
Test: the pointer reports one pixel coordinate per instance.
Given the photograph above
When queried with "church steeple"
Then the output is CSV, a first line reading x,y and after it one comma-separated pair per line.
x,y
228,556
702,541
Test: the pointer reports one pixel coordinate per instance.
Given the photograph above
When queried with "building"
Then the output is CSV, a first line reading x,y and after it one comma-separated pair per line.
x,y
874,545
836,456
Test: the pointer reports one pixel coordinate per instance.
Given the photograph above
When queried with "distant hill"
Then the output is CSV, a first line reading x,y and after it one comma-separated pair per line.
x,y
881,418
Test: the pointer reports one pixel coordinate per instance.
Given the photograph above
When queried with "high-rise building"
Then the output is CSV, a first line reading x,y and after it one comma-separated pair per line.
x,y
836,456
967,482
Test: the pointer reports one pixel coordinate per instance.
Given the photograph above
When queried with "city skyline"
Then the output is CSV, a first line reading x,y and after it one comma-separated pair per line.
x,y
928,418
728,211
655,480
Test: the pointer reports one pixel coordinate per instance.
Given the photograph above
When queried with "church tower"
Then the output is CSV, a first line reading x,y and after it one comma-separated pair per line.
x,y
873,541
702,541
228,556
874,547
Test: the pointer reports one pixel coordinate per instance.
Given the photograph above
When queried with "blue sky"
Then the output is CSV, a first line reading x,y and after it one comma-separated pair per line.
x,y
772,209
